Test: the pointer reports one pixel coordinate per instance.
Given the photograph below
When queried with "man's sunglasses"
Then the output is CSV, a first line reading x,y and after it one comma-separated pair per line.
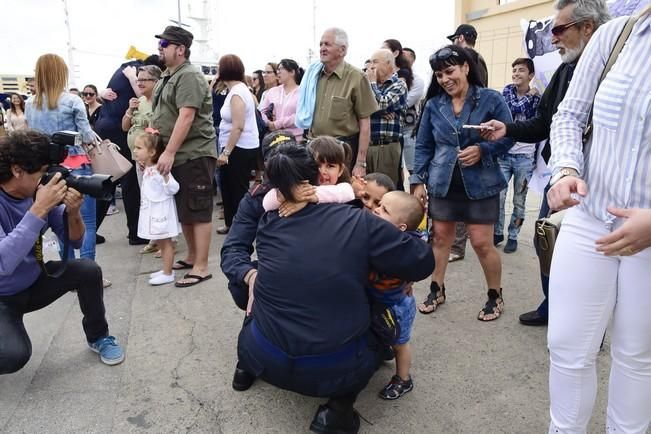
x,y
561,28
88,94
443,54
164,43
142,80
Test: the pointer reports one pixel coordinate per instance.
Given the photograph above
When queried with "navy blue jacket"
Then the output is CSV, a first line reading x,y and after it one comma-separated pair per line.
x,y
310,295
440,139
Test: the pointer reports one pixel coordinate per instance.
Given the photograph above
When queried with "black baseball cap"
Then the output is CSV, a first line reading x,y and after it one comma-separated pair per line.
x,y
466,30
178,35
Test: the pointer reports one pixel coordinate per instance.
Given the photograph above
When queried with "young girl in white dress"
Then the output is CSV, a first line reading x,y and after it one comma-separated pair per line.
x,y
158,219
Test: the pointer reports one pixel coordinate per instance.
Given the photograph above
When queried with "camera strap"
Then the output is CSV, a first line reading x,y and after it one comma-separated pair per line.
x,y
38,250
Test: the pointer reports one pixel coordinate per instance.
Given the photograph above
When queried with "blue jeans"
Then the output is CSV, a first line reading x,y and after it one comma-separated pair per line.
x,y
520,167
89,216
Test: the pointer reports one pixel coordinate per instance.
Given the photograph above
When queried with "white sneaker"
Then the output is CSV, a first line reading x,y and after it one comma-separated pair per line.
x,y
156,273
162,279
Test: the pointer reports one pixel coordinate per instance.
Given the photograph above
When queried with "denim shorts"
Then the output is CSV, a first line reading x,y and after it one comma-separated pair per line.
x,y
405,312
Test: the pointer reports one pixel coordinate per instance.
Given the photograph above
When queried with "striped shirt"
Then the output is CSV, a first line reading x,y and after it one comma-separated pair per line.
x,y
618,167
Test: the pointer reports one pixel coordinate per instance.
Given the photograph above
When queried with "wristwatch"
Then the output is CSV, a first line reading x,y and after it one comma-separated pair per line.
x,y
226,152
361,163
565,171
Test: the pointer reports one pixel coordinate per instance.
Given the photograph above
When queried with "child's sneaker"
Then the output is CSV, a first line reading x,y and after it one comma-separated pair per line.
x,y
110,352
396,388
162,279
156,273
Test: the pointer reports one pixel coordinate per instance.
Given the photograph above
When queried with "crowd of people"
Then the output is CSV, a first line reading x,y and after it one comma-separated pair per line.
x,y
329,151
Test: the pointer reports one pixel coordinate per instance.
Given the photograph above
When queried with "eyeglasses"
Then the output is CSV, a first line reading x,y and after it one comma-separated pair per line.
x,y
142,80
561,28
164,43
87,94
443,54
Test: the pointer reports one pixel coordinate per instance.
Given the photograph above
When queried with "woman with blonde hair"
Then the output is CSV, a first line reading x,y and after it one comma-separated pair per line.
x,y
53,109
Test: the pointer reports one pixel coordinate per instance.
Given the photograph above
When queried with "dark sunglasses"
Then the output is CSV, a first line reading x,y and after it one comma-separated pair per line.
x,y
164,43
443,54
560,29
142,80
88,94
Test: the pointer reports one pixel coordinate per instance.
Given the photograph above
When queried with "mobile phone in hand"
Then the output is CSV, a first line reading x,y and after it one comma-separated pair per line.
x,y
479,127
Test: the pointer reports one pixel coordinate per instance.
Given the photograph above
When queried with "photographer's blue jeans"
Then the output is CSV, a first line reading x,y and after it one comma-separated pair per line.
x,y
519,167
89,216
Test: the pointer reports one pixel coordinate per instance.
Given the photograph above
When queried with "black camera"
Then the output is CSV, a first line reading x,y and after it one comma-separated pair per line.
x,y
97,186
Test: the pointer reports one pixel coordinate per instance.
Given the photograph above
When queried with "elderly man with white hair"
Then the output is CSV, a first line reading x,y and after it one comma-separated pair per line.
x,y
384,152
344,99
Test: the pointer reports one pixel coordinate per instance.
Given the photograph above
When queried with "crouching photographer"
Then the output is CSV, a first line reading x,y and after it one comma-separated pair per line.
x,y
27,209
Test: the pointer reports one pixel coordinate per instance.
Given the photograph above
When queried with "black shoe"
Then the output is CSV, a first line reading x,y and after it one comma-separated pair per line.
x,y
329,421
242,380
138,241
99,239
497,239
533,318
511,246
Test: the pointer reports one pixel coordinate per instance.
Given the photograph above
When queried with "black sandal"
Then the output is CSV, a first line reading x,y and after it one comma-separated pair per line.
x,y
396,388
433,300
494,306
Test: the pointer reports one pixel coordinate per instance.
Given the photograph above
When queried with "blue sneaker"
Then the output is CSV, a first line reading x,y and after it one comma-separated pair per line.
x,y
110,352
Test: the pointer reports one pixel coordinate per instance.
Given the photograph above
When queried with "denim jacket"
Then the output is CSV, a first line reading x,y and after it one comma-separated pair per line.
x,y
440,137
69,115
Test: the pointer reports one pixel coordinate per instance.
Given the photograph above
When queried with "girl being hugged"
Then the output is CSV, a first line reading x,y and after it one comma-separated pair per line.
x,y
158,219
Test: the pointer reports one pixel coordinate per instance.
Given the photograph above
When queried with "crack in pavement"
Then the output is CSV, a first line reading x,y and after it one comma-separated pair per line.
x,y
176,377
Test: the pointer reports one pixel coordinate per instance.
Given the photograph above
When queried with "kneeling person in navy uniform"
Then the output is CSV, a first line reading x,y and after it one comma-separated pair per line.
x,y
309,327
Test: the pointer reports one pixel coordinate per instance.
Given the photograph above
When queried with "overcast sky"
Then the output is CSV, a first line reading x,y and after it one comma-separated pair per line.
x,y
258,31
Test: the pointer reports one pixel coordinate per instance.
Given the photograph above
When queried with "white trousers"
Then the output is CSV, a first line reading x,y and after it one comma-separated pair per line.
x,y
587,289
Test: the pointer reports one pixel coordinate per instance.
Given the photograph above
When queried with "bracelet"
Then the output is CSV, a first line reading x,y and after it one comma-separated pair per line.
x,y
361,163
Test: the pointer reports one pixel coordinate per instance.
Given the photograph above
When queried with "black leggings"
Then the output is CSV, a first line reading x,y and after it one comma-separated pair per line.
x,y
234,179
82,275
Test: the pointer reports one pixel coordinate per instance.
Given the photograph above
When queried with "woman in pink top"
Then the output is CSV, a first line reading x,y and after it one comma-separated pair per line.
x,y
278,107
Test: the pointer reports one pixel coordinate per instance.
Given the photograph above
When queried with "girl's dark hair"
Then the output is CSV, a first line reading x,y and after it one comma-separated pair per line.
x,y
291,65
382,180
22,103
27,149
261,88
92,86
404,70
288,166
153,141
458,56
327,149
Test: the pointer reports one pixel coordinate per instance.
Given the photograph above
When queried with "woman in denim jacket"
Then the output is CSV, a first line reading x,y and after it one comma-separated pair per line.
x,y
458,170
53,109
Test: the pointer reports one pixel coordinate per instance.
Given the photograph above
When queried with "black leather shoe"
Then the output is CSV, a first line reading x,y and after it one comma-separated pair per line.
x,y
511,246
242,380
497,239
533,318
329,421
138,241
99,239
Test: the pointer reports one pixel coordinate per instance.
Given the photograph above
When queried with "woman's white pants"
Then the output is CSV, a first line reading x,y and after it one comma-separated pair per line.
x,y
588,289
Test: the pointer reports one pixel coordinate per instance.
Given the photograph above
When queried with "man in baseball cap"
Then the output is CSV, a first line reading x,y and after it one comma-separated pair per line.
x,y
177,35
468,32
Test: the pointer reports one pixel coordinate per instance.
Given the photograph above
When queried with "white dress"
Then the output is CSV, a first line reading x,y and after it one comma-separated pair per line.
x,y
158,219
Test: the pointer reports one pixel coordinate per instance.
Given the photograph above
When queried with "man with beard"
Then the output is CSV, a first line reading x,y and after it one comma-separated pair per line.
x,y
574,24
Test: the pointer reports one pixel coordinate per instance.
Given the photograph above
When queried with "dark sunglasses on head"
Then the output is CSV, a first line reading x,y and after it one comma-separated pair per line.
x,y
164,43
443,54
88,94
561,28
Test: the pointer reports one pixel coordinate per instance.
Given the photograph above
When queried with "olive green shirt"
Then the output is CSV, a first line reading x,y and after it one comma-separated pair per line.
x,y
185,87
342,98
139,121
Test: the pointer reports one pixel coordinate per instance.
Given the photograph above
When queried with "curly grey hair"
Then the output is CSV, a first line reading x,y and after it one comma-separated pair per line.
x,y
594,10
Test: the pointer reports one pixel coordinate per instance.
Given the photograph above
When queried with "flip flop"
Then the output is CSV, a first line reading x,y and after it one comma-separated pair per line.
x,y
182,265
199,279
